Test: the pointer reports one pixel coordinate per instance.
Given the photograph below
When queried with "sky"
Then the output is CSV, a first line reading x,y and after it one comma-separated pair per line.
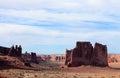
x,y
52,26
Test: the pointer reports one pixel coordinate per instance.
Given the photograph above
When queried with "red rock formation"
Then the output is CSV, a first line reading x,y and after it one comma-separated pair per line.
x,y
4,50
12,51
113,58
58,58
26,57
15,51
19,51
68,57
84,54
99,55
81,54
33,57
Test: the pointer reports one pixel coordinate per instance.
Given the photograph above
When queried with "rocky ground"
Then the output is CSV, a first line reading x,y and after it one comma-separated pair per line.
x,y
58,70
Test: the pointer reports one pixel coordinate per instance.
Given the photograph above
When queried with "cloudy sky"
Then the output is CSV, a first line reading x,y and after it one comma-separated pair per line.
x,y
51,26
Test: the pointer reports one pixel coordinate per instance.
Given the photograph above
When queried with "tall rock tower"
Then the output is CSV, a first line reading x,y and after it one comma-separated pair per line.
x,y
19,51
15,51
99,55
85,54
12,51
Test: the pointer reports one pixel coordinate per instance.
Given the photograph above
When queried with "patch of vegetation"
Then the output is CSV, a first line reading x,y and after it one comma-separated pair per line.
x,y
112,76
75,77
89,77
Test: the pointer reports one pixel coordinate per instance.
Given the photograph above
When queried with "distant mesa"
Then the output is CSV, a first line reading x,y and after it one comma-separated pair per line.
x,y
112,58
85,54
58,58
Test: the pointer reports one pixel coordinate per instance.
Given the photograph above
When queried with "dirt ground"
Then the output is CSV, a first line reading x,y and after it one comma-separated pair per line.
x,y
58,70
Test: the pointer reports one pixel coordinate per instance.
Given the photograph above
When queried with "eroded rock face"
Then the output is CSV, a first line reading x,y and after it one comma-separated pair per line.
x,y
15,51
81,54
12,51
19,51
68,57
99,55
33,57
4,50
84,54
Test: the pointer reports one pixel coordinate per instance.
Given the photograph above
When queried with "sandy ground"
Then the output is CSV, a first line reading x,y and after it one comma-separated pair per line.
x,y
54,70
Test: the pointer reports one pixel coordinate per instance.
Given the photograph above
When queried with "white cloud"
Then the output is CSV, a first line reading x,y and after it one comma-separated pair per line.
x,y
67,11
34,32
29,36
64,5
50,17
77,19
32,35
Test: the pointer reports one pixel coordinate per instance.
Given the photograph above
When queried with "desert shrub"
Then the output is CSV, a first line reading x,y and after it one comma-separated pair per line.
x,y
20,77
112,76
35,75
21,74
75,77
89,77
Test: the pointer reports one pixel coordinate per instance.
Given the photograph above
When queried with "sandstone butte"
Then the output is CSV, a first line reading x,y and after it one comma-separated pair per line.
x,y
85,54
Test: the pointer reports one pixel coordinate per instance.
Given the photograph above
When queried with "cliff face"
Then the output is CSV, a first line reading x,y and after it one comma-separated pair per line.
x,y
33,57
4,50
13,51
99,55
85,54
68,57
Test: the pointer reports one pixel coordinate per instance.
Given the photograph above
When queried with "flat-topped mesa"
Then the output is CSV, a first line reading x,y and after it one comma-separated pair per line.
x,y
84,54
58,58
99,56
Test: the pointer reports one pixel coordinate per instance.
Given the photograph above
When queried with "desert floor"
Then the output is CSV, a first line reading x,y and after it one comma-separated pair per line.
x,y
56,70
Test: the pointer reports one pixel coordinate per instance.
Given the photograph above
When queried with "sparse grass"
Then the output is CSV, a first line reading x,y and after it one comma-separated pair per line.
x,y
75,77
89,77
52,70
112,76
20,77
35,75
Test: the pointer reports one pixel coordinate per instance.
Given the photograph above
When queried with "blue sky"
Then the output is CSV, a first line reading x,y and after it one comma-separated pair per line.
x,y
51,26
